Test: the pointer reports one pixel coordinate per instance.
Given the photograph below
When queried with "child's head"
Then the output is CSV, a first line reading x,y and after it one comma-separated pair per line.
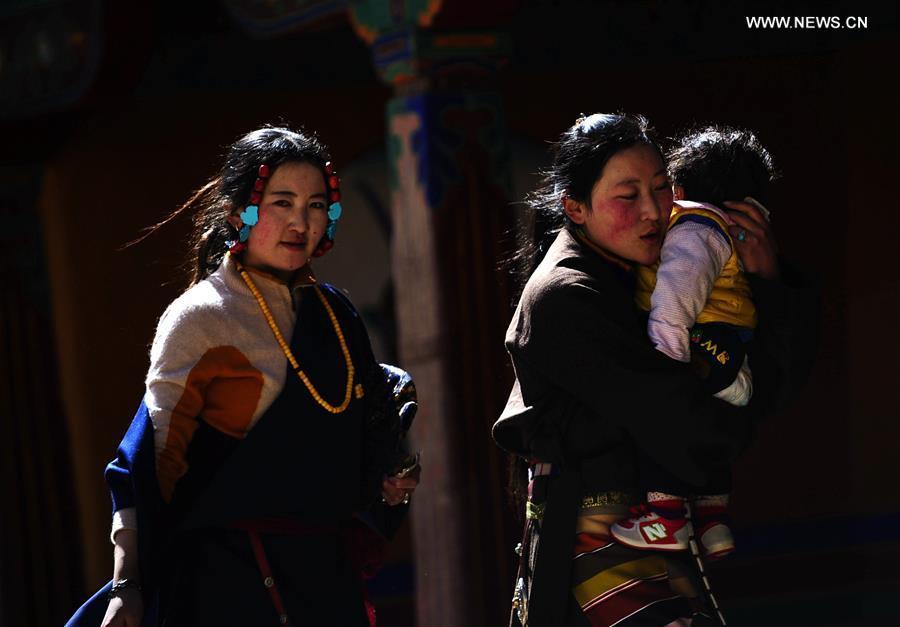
x,y
277,216
720,163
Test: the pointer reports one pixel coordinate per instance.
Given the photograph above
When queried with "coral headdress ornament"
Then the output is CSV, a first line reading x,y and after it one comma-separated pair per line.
x,y
334,210
250,215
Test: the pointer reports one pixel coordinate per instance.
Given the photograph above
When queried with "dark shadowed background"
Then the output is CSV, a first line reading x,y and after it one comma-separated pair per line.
x,y
438,114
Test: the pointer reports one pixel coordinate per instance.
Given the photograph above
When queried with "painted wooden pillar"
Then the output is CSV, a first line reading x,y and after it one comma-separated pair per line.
x,y
448,153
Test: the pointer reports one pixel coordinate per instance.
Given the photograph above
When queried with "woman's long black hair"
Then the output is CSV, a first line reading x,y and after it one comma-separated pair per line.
x,y
228,191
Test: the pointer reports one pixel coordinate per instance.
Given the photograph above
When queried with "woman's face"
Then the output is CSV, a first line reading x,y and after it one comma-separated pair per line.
x,y
630,205
293,215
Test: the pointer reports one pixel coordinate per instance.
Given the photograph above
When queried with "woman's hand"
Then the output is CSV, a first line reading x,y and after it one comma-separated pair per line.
x,y
126,609
126,606
396,490
753,239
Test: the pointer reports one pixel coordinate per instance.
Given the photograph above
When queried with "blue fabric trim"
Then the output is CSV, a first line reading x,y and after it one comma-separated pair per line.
x,y
131,477
93,610
118,473
705,221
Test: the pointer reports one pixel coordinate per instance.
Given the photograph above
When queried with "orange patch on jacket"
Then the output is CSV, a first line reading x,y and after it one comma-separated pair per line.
x,y
223,390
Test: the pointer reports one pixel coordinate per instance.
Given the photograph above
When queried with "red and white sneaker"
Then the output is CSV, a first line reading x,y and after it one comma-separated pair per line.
x,y
652,532
716,540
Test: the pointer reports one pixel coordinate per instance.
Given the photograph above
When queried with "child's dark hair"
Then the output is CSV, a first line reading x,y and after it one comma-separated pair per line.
x,y
229,190
579,158
719,163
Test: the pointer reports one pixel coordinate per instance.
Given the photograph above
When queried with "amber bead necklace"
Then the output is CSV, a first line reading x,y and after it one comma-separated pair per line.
x,y
349,391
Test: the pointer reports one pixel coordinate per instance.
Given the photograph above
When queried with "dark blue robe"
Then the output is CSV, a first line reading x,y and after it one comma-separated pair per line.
x,y
298,462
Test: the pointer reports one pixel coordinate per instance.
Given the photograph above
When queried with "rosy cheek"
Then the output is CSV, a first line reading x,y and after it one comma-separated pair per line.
x,y
622,217
263,229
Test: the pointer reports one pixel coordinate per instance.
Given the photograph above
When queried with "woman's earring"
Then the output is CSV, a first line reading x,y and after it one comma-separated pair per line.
x,y
238,245
250,215
335,210
324,246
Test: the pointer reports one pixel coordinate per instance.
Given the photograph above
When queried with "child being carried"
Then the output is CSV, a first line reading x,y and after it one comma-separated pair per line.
x,y
701,311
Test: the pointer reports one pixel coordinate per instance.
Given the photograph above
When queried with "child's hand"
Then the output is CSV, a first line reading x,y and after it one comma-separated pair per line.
x,y
753,239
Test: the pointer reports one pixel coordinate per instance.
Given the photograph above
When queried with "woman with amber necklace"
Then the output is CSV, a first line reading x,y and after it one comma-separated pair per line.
x,y
266,424
593,398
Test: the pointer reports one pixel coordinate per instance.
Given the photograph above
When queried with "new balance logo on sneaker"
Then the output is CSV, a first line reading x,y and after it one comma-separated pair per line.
x,y
652,532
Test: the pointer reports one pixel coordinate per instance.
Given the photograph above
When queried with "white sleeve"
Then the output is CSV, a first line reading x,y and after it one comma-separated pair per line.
x,y
125,518
693,255
177,382
741,389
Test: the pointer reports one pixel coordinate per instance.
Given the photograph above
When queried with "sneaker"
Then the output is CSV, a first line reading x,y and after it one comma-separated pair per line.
x,y
716,540
652,532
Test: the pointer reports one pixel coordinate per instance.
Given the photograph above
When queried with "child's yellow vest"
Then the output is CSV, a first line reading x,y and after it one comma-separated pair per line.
x,y
731,300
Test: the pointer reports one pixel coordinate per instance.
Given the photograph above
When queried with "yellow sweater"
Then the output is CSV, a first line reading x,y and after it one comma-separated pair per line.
x,y
730,300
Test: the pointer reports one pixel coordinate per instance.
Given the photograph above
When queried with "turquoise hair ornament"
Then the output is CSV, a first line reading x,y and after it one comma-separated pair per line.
x,y
250,215
331,229
334,211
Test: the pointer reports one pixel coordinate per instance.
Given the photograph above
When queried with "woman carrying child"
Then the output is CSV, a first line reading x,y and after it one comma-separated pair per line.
x,y
592,397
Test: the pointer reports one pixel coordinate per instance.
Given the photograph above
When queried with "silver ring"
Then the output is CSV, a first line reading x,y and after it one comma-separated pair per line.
x,y
742,235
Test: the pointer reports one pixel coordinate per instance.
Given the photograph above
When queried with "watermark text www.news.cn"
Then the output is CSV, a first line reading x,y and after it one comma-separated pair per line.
x,y
799,22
